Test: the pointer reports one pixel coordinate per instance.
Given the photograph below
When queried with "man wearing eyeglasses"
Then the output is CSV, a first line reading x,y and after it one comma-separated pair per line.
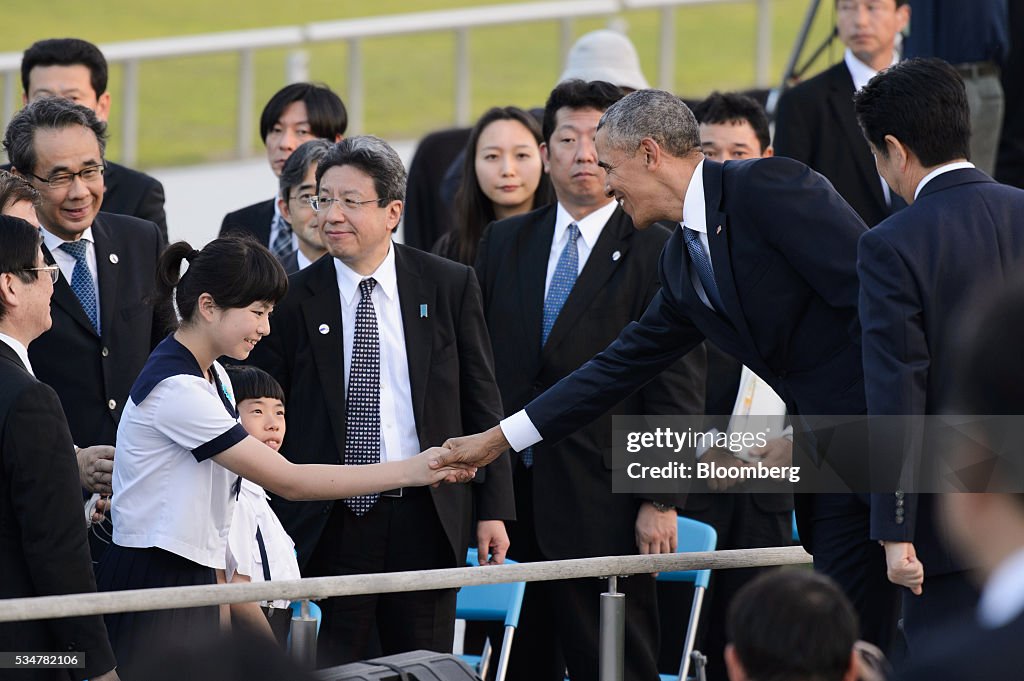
x,y
42,547
298,187
76,69
381,349
103,328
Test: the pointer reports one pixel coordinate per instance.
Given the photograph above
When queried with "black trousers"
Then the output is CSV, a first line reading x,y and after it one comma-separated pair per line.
x,y
397,534
559,624
844,551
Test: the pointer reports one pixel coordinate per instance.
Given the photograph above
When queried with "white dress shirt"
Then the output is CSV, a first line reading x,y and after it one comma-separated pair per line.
x,y
301,259
861,73
20,350
1002,599
590,230
695,217
959,165
518,428
66,261
397,420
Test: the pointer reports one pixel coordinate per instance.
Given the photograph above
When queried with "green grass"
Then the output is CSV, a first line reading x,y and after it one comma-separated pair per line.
x,y
188,106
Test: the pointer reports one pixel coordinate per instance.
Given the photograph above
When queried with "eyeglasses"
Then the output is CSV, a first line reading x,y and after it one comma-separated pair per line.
x,y
53,270
61,180
323,204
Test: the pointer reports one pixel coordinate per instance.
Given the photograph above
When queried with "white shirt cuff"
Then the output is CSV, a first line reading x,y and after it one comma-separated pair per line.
x,y
520,431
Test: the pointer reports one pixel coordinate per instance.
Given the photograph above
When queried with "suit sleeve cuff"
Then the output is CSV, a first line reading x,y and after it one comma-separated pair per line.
x,y
519,430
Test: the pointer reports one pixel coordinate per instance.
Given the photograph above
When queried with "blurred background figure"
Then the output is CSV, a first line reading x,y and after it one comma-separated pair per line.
x,y
792,625
986,529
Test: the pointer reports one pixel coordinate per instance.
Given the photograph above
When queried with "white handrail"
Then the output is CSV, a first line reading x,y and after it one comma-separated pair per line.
x,y
73,605
129,54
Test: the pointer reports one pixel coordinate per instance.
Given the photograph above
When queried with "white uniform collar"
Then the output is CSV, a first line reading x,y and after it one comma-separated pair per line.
x,y
590,226
20,350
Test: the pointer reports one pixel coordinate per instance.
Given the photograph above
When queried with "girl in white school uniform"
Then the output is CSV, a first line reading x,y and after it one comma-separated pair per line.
x,y
259,548
180,447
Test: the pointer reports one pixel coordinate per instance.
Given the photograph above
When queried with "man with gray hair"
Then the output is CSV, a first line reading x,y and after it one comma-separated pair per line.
x,y
103,325
382,351
297,187
763,265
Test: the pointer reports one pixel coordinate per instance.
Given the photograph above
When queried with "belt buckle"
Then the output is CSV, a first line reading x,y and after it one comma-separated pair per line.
x,y
393,493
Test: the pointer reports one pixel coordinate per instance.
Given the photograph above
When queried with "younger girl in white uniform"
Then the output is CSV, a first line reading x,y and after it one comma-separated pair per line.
x,y
180,447
259,548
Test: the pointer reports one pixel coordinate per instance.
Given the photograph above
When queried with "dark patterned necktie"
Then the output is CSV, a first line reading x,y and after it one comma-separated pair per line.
x,y
81,280
362,434
702,263
282,246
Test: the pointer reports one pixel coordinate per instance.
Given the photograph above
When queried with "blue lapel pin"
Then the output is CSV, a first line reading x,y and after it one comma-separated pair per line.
x,y
423,311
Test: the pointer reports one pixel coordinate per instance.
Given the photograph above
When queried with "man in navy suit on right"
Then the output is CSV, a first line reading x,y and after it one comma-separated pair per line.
x,y
961,236
763,264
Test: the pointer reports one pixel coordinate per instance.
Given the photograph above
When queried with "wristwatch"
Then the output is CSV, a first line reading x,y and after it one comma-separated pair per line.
x,y
658,506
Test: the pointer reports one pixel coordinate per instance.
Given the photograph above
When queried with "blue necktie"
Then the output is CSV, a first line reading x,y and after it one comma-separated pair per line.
x,y
562,282
362,433
81,280
702,263
282,246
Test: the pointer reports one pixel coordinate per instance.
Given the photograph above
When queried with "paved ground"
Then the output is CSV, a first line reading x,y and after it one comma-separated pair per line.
x,y
198,197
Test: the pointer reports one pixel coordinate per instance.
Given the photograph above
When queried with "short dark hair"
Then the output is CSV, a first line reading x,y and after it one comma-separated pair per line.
x,y
733,107
252,383
578,94
66,52
923,104
792,624
295,168
19,250
14,188
373,156
324,109
473,210
237,271
52,113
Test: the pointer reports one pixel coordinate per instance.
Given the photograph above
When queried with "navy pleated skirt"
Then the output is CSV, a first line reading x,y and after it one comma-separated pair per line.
x,y
134,634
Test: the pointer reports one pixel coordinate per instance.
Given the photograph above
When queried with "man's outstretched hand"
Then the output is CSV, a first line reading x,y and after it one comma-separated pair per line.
x,y
472,450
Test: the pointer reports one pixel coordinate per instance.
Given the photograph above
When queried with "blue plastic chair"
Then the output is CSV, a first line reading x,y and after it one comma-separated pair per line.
x,y
693,536
491,603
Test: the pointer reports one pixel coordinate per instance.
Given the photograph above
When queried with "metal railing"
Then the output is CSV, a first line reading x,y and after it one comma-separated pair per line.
x,y
129,55
314,588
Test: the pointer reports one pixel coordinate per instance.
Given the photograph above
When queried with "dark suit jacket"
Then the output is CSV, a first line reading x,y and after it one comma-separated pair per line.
x,y
966,650
129,192
92,374
816,124
450,369
789,285
43,549
572,479
254,220
919,271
